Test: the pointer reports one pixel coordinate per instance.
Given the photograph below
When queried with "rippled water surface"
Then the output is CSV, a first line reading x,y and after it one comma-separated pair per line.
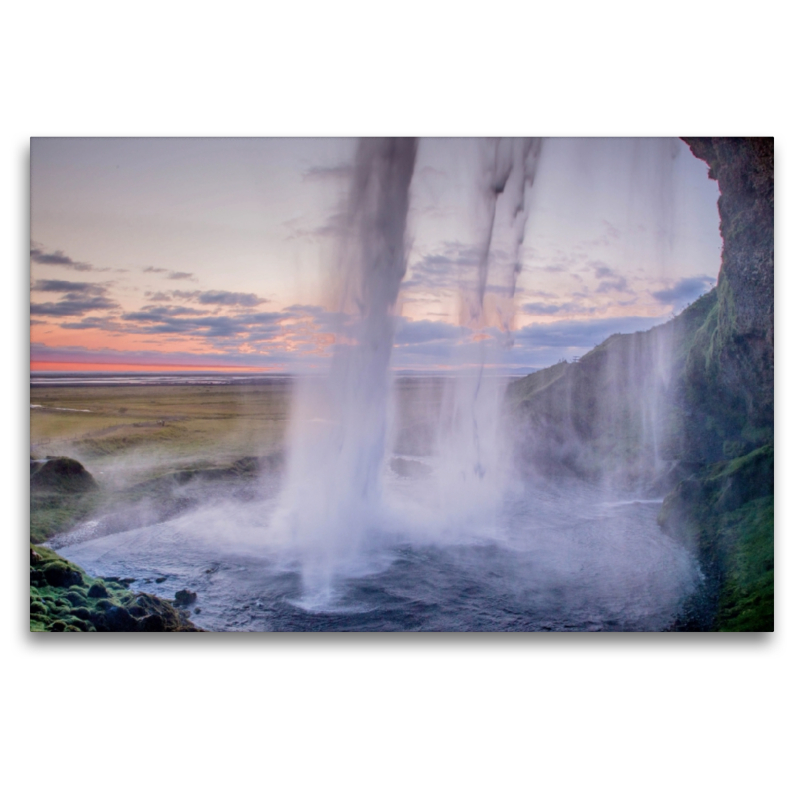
x,y
552,558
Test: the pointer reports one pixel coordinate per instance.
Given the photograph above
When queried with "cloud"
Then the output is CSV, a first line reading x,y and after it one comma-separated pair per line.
x,y
77,298
417,332
175,294
91,323
68,286
543,309
601,269
58,259
618,285
580,333
71,307
172,275
684,291
436,271
230,299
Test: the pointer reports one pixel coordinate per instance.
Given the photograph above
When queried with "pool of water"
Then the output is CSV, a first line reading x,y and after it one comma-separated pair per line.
x,y
549,558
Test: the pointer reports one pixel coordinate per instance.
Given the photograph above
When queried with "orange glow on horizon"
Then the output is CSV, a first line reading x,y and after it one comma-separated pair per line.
x,y
76,366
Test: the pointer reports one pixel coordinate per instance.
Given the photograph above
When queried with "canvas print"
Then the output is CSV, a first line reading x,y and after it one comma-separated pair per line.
x,y
398,384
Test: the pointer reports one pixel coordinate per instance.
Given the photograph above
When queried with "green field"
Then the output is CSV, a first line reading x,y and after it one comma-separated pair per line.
x,y
131,433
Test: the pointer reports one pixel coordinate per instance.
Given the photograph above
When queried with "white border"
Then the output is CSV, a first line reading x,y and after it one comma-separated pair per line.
x,y
396,716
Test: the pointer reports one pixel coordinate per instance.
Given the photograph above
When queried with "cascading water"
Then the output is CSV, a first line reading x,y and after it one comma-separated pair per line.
x,y
338,437
334,504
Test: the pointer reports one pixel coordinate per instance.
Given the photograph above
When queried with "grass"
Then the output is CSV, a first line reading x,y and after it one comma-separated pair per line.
x,y
131,433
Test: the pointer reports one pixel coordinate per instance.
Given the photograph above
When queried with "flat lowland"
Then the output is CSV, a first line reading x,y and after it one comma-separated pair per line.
x,y
125,434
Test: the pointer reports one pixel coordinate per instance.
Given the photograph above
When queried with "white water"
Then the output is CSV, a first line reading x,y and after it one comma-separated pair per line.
x,y
334,499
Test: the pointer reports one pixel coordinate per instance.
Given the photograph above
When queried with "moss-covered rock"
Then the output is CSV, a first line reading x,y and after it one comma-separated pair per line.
x,y
63,598
61,474
62,494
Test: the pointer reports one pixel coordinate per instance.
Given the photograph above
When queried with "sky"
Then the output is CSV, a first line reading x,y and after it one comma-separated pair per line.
x,y
222,254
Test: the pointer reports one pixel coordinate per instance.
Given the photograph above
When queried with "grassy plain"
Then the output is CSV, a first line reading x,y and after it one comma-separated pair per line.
x,y
127,434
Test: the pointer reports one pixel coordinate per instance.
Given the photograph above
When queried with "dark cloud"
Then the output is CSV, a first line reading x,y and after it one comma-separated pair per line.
x,y
77,298
190,322
152,312
71,307
153,269
68,286
90,323
684,291
230,299
58,259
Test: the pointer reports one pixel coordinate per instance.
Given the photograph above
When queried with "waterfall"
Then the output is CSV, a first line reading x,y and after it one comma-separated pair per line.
x,y
338,434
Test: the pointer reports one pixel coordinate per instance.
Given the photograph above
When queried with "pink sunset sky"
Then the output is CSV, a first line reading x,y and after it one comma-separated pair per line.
x,y
221,254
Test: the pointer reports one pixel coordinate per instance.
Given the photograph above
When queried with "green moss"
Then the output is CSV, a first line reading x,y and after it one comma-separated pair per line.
x,y
64,603
53,512
747,598
726,516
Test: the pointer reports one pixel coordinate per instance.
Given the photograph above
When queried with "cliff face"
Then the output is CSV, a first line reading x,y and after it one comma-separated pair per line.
x,y
731,365
616,413
687,406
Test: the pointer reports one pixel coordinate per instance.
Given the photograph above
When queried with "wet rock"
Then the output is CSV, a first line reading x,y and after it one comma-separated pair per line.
x,y
120,619
183,597
152,623
60,574
98,590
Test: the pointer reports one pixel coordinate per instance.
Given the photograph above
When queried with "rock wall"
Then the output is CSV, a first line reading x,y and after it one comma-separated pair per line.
x,y
730,367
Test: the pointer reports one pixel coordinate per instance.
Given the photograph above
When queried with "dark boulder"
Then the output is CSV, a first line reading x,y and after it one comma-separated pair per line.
x,y
120,619
184,597
152,623
63,474
59,574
